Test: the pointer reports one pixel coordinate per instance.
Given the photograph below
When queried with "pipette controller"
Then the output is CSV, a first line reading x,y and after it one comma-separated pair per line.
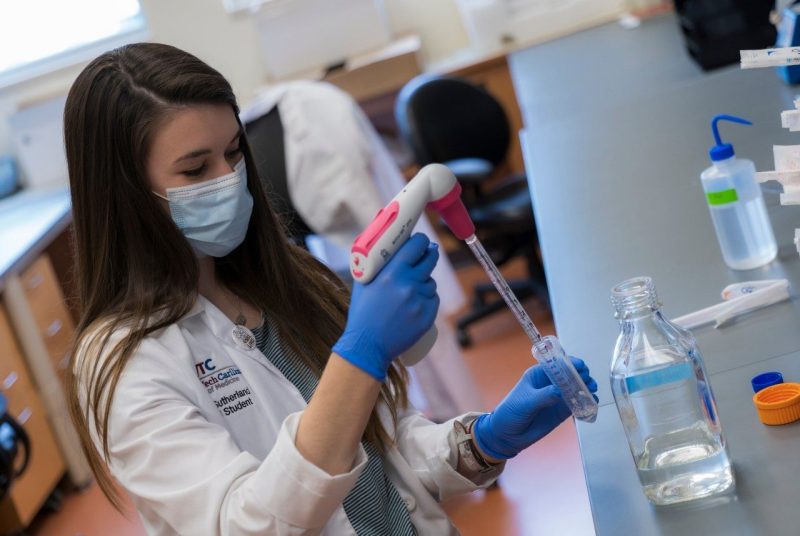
x,y
436,188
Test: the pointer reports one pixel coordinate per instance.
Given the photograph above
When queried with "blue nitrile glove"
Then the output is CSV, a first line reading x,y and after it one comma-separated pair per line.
x,y
390,313
530,411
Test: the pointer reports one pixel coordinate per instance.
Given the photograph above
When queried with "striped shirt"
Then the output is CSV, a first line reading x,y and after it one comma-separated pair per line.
x,y
373,506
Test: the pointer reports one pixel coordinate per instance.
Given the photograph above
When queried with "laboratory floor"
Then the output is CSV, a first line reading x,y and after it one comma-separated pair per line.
x,y
542,491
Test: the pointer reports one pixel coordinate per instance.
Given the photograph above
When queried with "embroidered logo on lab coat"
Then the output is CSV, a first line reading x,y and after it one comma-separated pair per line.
x,y
236,401
225,385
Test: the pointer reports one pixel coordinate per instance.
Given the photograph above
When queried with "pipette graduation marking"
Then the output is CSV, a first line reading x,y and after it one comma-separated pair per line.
x,y
502,287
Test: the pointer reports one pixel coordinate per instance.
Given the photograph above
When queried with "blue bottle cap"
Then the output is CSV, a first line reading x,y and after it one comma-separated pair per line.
x,y
723,151
765,379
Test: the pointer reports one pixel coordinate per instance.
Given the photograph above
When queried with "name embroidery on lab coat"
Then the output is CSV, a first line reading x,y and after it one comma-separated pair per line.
x,y
215,379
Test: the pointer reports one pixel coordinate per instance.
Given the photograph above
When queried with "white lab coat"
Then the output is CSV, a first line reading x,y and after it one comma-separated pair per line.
x,y
339,174
197,463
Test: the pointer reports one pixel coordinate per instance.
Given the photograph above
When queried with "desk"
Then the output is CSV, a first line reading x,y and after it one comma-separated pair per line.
x,y
33,355
371,75
615,142
374,80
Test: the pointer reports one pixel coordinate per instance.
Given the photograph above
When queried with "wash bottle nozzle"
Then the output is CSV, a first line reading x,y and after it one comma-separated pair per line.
x,y
723,151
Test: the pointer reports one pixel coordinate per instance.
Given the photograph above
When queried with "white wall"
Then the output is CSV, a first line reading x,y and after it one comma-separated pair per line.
x,y
438,22
229,44
199,26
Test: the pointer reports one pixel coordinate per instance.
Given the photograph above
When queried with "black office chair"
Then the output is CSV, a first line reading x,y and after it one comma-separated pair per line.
x,y
265,134
456,123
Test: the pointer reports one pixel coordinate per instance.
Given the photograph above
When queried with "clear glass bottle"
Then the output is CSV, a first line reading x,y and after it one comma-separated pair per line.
x,y
665,402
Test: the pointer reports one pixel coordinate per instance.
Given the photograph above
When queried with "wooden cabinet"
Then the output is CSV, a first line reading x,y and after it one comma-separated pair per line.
x,y
44,329
53,319
46,466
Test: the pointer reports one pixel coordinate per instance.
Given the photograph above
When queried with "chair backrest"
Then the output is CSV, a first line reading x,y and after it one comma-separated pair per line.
x,y
446,118
265,135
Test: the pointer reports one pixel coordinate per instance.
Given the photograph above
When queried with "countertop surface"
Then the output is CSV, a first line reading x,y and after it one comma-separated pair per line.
x,y
616,136
29,221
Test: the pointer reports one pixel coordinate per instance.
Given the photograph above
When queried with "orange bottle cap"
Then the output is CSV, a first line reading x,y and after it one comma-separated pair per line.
x,y
778,404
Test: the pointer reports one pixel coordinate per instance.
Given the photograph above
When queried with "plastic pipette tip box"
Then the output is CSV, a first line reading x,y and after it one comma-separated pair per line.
x,y
778,404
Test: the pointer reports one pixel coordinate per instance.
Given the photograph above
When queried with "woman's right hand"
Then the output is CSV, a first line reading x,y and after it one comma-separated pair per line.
x,y
390,313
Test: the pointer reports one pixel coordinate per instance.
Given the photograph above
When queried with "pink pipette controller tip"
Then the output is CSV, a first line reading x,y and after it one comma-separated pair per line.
x,y
454,213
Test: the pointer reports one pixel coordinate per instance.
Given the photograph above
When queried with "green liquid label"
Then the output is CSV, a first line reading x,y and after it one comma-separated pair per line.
x,y
722,198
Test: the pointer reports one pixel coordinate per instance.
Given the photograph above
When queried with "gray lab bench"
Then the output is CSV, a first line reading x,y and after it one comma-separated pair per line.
x,y
616,135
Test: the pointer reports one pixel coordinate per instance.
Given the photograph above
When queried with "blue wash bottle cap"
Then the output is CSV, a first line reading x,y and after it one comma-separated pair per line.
x,y
766,379
723,151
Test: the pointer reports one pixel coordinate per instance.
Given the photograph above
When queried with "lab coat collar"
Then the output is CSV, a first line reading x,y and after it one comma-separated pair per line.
x,y
217,321
197,308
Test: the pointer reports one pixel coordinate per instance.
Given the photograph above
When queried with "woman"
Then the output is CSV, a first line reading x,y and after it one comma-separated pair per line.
x,y
220,375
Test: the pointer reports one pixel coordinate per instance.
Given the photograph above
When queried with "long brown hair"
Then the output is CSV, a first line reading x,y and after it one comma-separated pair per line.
x,y
136,273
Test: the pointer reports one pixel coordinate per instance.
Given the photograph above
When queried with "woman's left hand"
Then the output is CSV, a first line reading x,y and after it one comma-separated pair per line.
x,y
530,411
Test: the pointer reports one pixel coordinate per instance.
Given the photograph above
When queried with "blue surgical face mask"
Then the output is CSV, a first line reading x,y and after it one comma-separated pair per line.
x,y
213,215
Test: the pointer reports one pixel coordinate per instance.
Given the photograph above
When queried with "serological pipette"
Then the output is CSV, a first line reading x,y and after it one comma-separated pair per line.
x,y
546,350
